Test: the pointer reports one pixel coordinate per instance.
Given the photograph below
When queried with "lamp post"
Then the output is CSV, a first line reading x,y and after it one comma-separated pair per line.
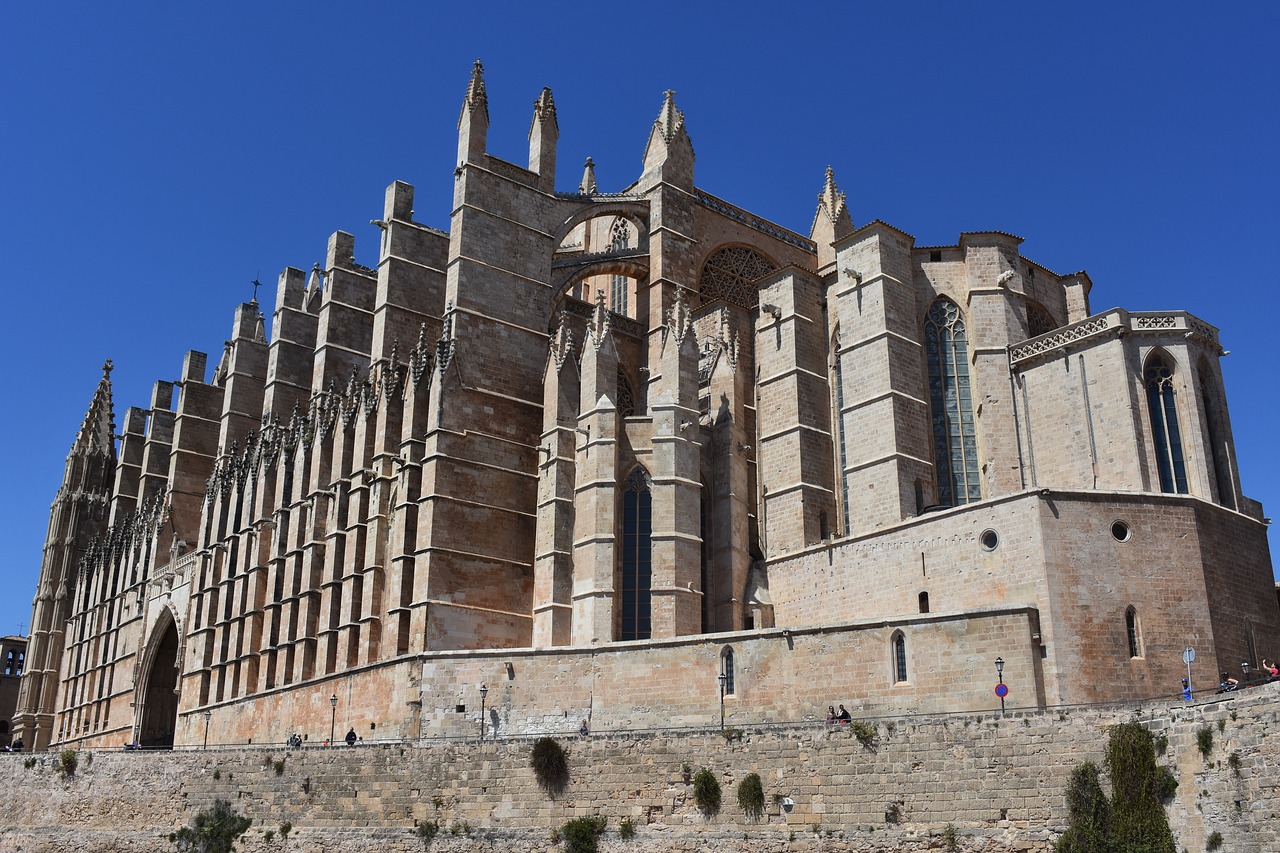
x,y
722,678
333,719
1000,675
208,715
1244,664
484,691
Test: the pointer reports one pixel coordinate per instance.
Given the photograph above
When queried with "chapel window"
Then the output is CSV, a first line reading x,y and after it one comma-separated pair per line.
x,y
1039,320
1133,630
726,669
924,602
637,571
837,422
1164,425
899,645
955,443
619,239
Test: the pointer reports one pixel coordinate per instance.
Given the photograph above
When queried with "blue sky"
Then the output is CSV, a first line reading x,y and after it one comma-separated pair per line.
x,y
156,157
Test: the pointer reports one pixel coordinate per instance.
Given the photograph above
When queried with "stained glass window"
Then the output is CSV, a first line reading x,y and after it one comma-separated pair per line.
x,y
955,443
899,657
728,274
1164,425
637,554
619,238
727,663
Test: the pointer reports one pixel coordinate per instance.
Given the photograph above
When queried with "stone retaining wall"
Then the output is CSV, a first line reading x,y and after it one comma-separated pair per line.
x,y
1000,782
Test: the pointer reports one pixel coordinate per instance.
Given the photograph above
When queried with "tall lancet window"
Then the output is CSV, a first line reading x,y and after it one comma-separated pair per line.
x,y
955,445
637,553
619,239
1164,424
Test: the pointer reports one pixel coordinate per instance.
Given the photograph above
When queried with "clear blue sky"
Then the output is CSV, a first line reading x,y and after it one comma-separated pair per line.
x,y
156,157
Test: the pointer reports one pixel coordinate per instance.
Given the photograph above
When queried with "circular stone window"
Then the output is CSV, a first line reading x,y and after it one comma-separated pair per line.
x,y
989,539
1121,531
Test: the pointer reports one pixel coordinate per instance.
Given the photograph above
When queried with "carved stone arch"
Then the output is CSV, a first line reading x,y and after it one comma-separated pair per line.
x,y
158,681
635,212
569,278
727,271
1039,319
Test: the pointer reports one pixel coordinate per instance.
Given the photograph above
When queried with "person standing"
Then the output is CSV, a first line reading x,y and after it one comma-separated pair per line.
x,y
351,737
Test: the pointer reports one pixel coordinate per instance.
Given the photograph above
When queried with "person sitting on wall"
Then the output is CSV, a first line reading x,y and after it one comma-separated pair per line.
x,y
844,717
1273,671
831,715
583,730
1228,683
351,737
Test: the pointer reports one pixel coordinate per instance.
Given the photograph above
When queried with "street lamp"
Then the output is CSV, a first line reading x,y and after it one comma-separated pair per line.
x,y
1000,675
207,716
333,720
722,678
1244,664
484,691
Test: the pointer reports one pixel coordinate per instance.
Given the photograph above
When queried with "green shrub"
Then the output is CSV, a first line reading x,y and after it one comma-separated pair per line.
x,y
213,830
1233,761
751,795
1139,822
269,836
731,734
278,766
550,766
581,834
1162,744
67,762
1204,740
865,733
706,791
285,829
1089,814
427,831
1166,784
1214,841
626,829
893,814
950,839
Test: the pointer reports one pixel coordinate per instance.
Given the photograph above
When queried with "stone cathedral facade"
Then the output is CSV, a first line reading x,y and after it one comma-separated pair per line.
x,y
632,458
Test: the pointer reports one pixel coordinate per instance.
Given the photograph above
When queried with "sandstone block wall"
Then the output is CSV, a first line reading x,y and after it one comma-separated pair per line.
x,y
999,781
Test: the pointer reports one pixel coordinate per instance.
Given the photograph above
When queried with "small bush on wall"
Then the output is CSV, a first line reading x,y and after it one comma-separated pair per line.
x,y
751,795
706,791
550,764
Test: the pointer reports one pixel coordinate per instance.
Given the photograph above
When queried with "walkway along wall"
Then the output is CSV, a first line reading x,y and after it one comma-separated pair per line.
x,y
999,781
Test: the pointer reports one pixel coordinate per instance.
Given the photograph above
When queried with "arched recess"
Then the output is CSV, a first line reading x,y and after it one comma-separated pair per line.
x,y
1039,320
1166,432
1215,424
568,277
955,443
157,689
635,212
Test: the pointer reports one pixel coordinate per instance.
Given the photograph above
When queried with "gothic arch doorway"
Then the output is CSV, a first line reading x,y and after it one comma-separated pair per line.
x,y
159,688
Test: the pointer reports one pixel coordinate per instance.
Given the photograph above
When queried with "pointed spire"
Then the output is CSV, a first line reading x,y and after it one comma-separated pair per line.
x,y
670,120
544,111
679,318
669,150
831,220
97,433
476,100
588,185
260,329
600,324
562,341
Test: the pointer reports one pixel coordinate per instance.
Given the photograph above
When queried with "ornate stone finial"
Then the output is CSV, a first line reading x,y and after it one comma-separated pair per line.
x,y
679,318
544,109
831,201
670,119
107,367
476,100
599,326
562,341
588,185
445,345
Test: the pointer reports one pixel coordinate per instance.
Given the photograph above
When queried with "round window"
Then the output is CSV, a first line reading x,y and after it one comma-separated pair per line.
x,y
989,539
1121,531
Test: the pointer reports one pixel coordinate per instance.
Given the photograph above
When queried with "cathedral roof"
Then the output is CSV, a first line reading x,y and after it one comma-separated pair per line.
x,y
97,433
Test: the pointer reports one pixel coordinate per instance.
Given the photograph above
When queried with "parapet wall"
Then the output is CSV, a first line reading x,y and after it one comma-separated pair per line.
x,y
999,781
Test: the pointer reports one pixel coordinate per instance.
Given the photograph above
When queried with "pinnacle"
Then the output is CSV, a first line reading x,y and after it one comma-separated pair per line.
x,y
97,433
670,119
476,100
831,200
588,185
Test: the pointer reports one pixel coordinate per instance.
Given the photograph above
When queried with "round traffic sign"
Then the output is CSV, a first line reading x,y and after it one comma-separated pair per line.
x,y
1002,690
1188,655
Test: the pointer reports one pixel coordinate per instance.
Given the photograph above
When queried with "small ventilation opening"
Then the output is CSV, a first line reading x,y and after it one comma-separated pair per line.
x,y
935,256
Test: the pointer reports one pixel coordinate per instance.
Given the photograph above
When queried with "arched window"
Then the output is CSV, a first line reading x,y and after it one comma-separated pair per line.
x,y
1164,424
1133,630
619,239
626,398
899,646
924,602
955,445
1213,420
9,663
637,571
726,669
